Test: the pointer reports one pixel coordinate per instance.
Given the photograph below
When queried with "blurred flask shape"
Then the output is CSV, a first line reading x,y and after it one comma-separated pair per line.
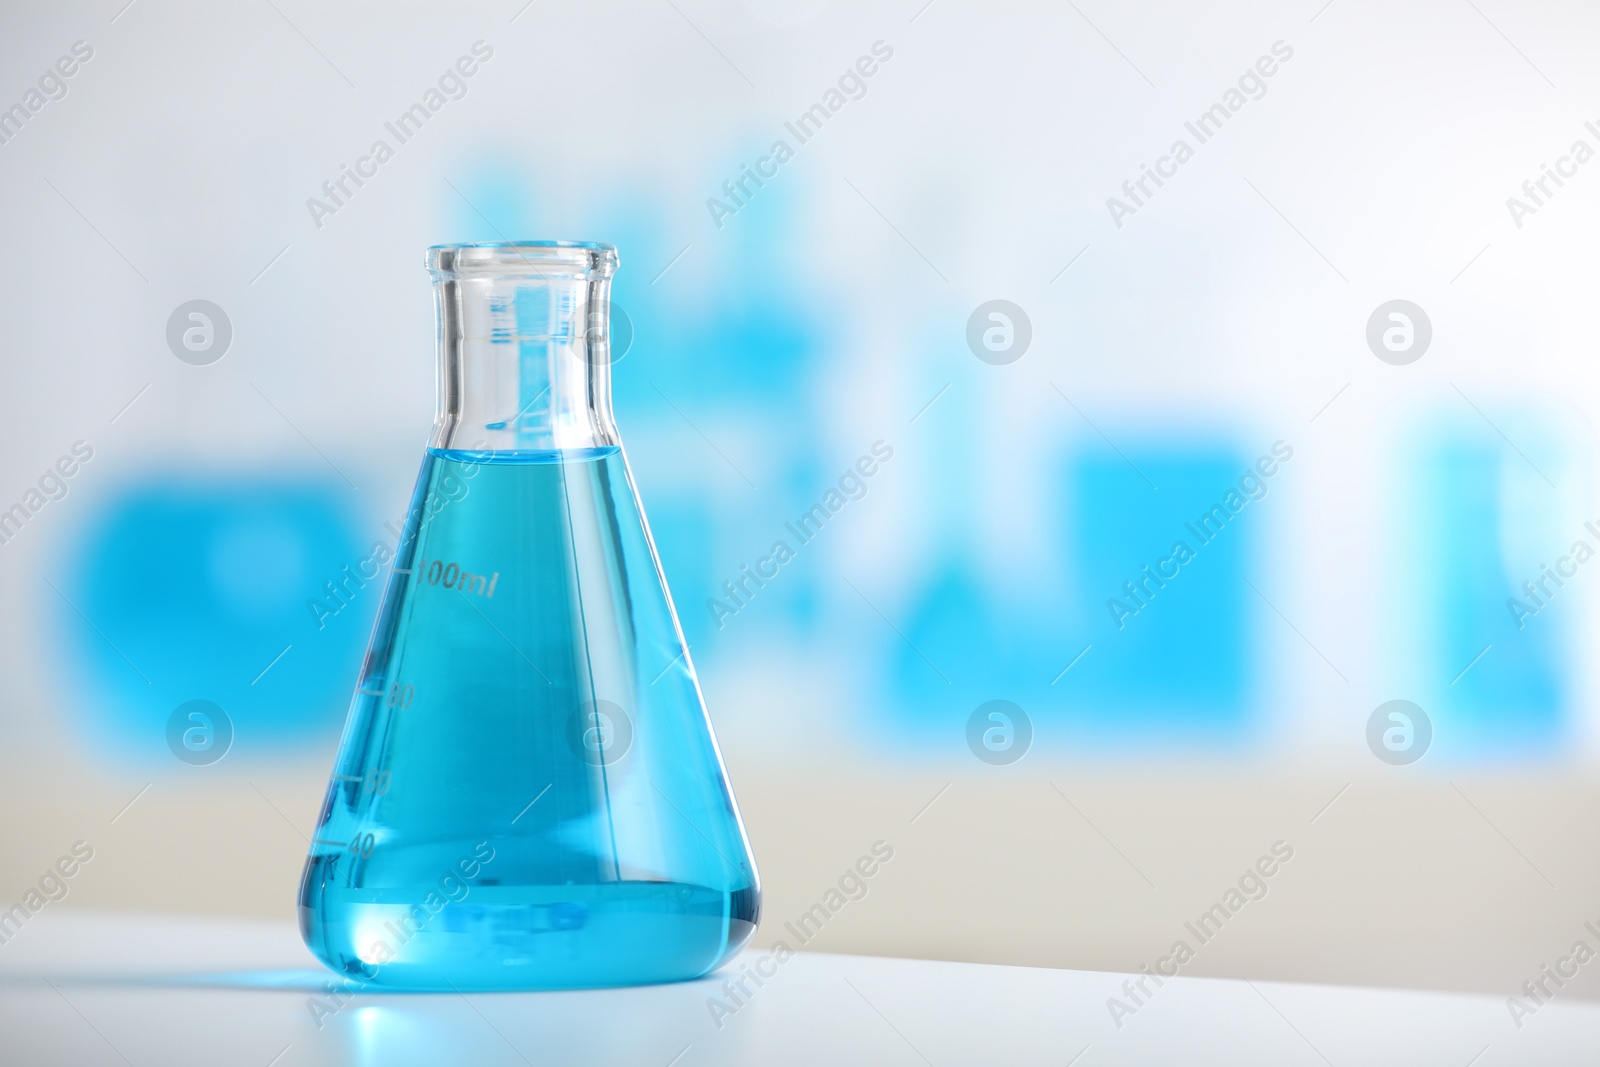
x,y
528,794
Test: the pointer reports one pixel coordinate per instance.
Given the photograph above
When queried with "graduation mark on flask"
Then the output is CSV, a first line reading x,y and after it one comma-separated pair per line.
x,y
452,575
374,782
399,695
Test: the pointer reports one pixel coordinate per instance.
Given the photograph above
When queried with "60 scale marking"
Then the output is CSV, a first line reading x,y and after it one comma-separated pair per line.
x,y
376,782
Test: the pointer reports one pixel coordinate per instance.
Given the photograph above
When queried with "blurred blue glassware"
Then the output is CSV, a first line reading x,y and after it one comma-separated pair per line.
x,y
528,794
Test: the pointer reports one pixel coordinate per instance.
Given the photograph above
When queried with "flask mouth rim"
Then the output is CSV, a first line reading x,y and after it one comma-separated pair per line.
x,y
541,259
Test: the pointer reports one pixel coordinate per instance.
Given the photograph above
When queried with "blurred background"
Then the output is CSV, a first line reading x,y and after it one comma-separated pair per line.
x,y
1353,311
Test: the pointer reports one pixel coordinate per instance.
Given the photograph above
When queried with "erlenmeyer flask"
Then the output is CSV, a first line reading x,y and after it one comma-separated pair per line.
x,y
527,794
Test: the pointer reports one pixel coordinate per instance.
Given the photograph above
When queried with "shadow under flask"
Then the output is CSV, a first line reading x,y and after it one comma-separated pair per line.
x,y
527,794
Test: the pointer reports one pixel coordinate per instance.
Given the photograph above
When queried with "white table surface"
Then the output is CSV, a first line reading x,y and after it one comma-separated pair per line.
x,y
85,989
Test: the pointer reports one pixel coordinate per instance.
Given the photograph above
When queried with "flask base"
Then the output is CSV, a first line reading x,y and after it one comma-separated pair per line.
x,y
504,938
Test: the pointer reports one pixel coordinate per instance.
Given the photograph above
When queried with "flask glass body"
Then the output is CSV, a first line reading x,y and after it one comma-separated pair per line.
x,y
528,794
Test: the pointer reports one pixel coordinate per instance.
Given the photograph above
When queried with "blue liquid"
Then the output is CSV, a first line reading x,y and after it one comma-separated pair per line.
x,y
528,794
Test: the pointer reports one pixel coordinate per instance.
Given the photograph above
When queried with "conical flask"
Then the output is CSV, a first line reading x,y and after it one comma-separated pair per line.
x,y
527,794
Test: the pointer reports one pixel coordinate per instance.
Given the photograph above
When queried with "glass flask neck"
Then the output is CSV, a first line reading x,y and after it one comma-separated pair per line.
x,y
524,346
